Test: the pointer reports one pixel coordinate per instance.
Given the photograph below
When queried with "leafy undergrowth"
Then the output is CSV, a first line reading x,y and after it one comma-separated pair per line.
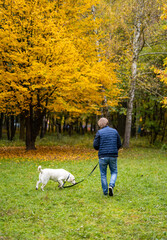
x,y
137,210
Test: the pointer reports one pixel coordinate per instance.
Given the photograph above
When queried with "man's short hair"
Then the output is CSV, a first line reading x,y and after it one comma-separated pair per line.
x,y
103,122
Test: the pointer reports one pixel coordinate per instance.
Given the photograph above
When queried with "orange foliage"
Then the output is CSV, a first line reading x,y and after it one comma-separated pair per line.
x,y
55,153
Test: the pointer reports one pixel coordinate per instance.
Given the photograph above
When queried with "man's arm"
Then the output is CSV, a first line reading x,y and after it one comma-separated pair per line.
x,y
96,142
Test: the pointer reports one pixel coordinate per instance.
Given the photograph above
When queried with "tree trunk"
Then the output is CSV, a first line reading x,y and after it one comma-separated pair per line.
x,y
1,124
164,125
121,120
33,125
7,127
12,127
137,47
30,141
128,124
43,128
22,127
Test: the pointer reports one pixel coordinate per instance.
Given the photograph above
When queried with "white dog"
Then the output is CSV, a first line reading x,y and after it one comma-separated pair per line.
x,y
57,175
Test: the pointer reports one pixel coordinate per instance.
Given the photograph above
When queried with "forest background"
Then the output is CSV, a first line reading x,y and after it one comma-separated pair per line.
x,y
64,64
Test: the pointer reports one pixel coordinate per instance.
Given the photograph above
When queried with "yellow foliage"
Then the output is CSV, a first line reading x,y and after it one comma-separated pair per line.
x,y
49,57
163,73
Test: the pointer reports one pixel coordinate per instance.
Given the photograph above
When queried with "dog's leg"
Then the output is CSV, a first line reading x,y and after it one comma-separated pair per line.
x,y
38,184
44,182
61,183
42,187
44,179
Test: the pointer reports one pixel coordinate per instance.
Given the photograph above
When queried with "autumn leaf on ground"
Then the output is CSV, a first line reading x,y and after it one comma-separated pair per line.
x,y
46,153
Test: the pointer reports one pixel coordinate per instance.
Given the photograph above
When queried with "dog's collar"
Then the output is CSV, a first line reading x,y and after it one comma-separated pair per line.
x,y
66,180
68,177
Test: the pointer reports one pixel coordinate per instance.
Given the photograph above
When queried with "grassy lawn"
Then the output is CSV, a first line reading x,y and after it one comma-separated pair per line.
x,y
137,210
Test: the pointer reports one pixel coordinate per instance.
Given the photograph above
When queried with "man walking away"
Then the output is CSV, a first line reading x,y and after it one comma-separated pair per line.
x,y
107,141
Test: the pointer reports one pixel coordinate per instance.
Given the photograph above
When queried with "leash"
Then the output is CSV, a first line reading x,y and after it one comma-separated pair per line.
x,y
82,179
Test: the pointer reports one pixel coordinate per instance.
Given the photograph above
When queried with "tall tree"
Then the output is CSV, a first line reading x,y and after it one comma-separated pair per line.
x,y
137,46
130,23
49,61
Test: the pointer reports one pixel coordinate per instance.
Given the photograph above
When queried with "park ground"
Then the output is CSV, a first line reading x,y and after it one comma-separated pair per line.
x,y
136,211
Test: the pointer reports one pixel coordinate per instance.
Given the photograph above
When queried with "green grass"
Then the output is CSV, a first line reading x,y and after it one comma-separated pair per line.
x,y
137,210
52,140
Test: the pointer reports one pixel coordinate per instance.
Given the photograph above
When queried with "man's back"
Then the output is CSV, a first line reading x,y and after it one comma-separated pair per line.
x,y
107,141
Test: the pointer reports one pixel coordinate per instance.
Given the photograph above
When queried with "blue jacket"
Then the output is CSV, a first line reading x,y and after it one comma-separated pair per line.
x,y
108,142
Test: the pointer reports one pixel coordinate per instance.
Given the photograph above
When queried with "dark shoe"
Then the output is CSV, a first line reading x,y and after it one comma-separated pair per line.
x,y
111,191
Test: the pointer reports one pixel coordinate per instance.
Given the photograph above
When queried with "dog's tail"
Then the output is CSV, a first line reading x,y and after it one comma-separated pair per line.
x,y
40,169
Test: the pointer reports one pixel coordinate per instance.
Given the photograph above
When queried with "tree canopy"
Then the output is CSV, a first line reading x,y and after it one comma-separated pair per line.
x,y
49,57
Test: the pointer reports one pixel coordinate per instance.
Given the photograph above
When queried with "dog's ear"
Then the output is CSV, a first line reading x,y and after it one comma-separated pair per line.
x,y
72,178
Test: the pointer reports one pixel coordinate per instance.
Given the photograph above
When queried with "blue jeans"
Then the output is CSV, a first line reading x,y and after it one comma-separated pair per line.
x,y
103,163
